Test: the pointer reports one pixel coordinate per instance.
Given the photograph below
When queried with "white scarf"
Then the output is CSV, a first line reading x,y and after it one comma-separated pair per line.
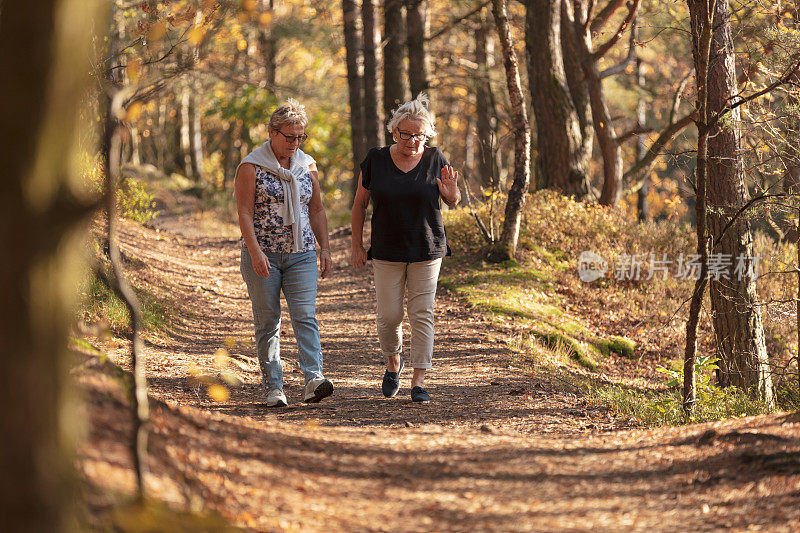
x,y
298,166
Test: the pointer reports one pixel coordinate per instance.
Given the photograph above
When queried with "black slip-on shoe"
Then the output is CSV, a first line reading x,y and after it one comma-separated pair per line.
x,y
391,382
418,394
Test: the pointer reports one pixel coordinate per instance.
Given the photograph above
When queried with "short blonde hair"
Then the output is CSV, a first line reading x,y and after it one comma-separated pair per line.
x,y
292,112
416,109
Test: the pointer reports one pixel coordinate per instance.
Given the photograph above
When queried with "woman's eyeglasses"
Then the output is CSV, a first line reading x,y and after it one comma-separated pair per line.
x,y
407,135
294,138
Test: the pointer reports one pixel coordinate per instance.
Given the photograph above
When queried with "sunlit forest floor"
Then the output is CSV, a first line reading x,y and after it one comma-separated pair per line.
x,y
498,449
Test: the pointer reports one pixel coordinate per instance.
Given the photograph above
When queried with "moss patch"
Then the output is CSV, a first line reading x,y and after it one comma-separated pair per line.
x,y
561,342
614,344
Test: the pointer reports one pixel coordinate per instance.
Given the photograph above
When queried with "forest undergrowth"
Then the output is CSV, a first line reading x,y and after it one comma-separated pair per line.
x,y
619,338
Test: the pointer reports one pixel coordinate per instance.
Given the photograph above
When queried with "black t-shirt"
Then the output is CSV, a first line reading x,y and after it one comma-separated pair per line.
x,y
407,222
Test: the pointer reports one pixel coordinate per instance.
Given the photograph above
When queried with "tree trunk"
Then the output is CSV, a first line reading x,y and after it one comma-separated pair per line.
x,y
44,68
160,137
576,81
247,141
560,145
737,320
486,118
136,158
643,208
469,160
230,155
416,32
186,134
373,128
230,159
269,46
394,89
606,137
701,41
196,134
507,245
177,159
352,43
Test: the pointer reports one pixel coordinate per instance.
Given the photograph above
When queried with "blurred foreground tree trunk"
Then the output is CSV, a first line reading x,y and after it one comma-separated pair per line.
x,y
45,50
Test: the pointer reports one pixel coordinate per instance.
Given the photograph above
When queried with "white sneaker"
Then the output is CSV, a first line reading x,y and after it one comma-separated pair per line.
x,y
317,389
276,398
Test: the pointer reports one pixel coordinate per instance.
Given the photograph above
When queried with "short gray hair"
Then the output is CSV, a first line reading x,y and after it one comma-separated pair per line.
x,y
292,112
416,109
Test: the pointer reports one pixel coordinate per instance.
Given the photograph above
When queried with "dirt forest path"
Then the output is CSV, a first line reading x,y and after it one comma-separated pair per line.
x,y
494,451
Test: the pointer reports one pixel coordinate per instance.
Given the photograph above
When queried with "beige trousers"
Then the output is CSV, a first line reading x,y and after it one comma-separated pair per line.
x,y
393,281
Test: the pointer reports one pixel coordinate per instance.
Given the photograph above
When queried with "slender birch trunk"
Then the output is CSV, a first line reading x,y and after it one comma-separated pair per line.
x,y
506,247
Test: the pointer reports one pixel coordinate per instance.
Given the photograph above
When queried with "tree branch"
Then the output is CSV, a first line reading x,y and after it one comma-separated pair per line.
x,y
603,50
742,210
604,15
743,100
676,99
620,67
643,166
589,10
478,221
456,20
628,134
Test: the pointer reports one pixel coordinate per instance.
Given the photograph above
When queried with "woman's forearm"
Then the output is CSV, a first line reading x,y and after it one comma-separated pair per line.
x,y
357,217
248,229
319,225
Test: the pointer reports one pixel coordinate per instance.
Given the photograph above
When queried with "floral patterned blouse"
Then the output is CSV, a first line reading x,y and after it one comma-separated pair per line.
x,y
271,234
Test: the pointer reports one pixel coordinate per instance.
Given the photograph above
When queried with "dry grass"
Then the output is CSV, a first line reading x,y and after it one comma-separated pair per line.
x,y
544,295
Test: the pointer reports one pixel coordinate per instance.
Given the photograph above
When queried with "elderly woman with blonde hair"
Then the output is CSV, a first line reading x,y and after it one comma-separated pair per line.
x,y
280,215
405,182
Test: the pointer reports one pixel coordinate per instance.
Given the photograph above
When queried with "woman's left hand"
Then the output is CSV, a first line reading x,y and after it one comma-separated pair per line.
x,y
448,184
325,263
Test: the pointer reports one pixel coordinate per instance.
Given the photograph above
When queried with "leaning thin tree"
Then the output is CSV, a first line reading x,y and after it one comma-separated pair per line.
x,y
506,247
701,48
119,95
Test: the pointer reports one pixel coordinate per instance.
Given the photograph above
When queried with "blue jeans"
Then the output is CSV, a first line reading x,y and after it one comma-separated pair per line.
x,y
296,275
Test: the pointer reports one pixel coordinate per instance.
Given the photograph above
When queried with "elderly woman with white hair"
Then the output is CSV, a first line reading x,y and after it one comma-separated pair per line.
x,y
405,182
280,214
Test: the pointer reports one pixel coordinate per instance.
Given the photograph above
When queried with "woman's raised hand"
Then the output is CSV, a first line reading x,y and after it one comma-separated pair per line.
x,y
358,256
448,184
